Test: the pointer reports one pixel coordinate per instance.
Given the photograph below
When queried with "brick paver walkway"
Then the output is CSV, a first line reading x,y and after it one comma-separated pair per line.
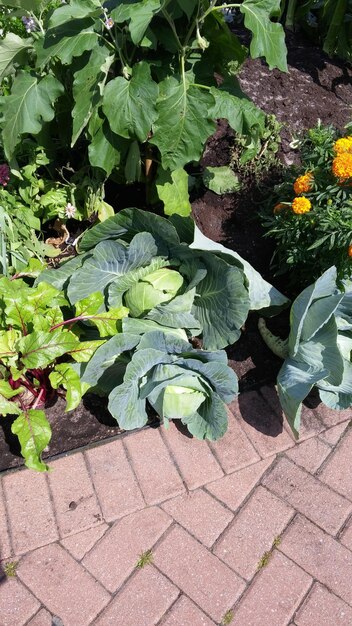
x,y
253,530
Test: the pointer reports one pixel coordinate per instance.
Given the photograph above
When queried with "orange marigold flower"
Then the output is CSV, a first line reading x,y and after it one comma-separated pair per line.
x,y
343,145
303,183
301,205
342,166
349,252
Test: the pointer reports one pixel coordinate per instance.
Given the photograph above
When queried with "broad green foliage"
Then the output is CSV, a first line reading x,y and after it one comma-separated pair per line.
x,y
319,348
220,179
126,82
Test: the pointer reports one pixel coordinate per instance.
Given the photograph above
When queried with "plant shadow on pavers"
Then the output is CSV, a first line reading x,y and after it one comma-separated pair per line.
x,y
258,413
2,574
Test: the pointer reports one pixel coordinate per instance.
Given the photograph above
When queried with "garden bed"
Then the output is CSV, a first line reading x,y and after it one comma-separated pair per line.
x,y
315,88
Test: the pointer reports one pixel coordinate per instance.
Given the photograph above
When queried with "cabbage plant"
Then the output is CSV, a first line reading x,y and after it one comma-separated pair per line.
x,y
318,351
178,381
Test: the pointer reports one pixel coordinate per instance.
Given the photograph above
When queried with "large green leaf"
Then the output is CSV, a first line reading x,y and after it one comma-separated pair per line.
x,y
139,13
322,352
183,125
110,261
130,278
67,41
106,355
75,10
294,382
106,149
268,37
221,180
210,422
34,433
143,326
221,304
218,374
29,105
60,276
262,295
128,223
39,349
87,88
172,188
12,48
241,114
177,313
130,105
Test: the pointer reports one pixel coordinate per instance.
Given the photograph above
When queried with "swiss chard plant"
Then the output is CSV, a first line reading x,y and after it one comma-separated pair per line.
x,y
37,353
132,89
318,351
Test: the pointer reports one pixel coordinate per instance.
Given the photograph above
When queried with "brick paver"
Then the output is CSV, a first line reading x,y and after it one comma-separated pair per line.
x,y
308,495
75,502
185,613
17,604
112,476
338,471
253,530
144,600
157,474
200,514
320,555
277,592
323,607
63,585
31,516
198,573
115,556
195,460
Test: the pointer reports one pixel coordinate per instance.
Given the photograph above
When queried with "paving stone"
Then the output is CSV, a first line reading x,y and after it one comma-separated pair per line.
x,y
262,519
329,417
261,424
5,546
114,481
308,495
43,618
234,488
274,595
62,585
78,545
155,470
144,600
195,460
30,512
200,514
346,537
310,454
17,605
185,613
75,502
323,607
198,573
234,450
322,556
332,435
114,558
338,471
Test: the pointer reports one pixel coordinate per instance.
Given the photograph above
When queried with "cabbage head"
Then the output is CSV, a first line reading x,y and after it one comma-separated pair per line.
x,y
153,289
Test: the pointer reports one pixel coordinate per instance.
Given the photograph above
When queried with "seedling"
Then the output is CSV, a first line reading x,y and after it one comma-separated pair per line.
x,y
228,617
10,569
146,558
264,560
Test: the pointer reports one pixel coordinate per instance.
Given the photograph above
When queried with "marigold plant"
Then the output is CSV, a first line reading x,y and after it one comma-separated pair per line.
x,y
310,213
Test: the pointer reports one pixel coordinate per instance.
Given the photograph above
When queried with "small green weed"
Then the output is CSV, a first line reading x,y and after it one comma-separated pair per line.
x,y
10,569
146,558
264,560
228,617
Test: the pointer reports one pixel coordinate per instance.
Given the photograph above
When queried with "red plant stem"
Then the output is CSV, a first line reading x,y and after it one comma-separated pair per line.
x,y
38,399
71,321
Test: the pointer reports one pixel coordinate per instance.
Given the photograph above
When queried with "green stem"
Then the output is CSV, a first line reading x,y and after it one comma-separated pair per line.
x,y
290,15
173,27
335,27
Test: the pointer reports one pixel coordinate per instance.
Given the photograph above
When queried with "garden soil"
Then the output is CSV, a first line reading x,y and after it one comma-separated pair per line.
x,y
315,87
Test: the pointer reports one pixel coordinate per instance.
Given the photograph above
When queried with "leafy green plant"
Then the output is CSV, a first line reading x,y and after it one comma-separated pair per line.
x,y
174,292
328,22
318,351
146,558
10,569
134,84
311,222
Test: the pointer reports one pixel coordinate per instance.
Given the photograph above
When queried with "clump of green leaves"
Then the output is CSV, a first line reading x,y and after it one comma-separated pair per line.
x,y
309,242
228,617
265,558
256,155
115,85
10,568
146,558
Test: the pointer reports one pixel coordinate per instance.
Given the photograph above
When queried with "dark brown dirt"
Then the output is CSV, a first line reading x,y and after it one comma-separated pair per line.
x,y
315,87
